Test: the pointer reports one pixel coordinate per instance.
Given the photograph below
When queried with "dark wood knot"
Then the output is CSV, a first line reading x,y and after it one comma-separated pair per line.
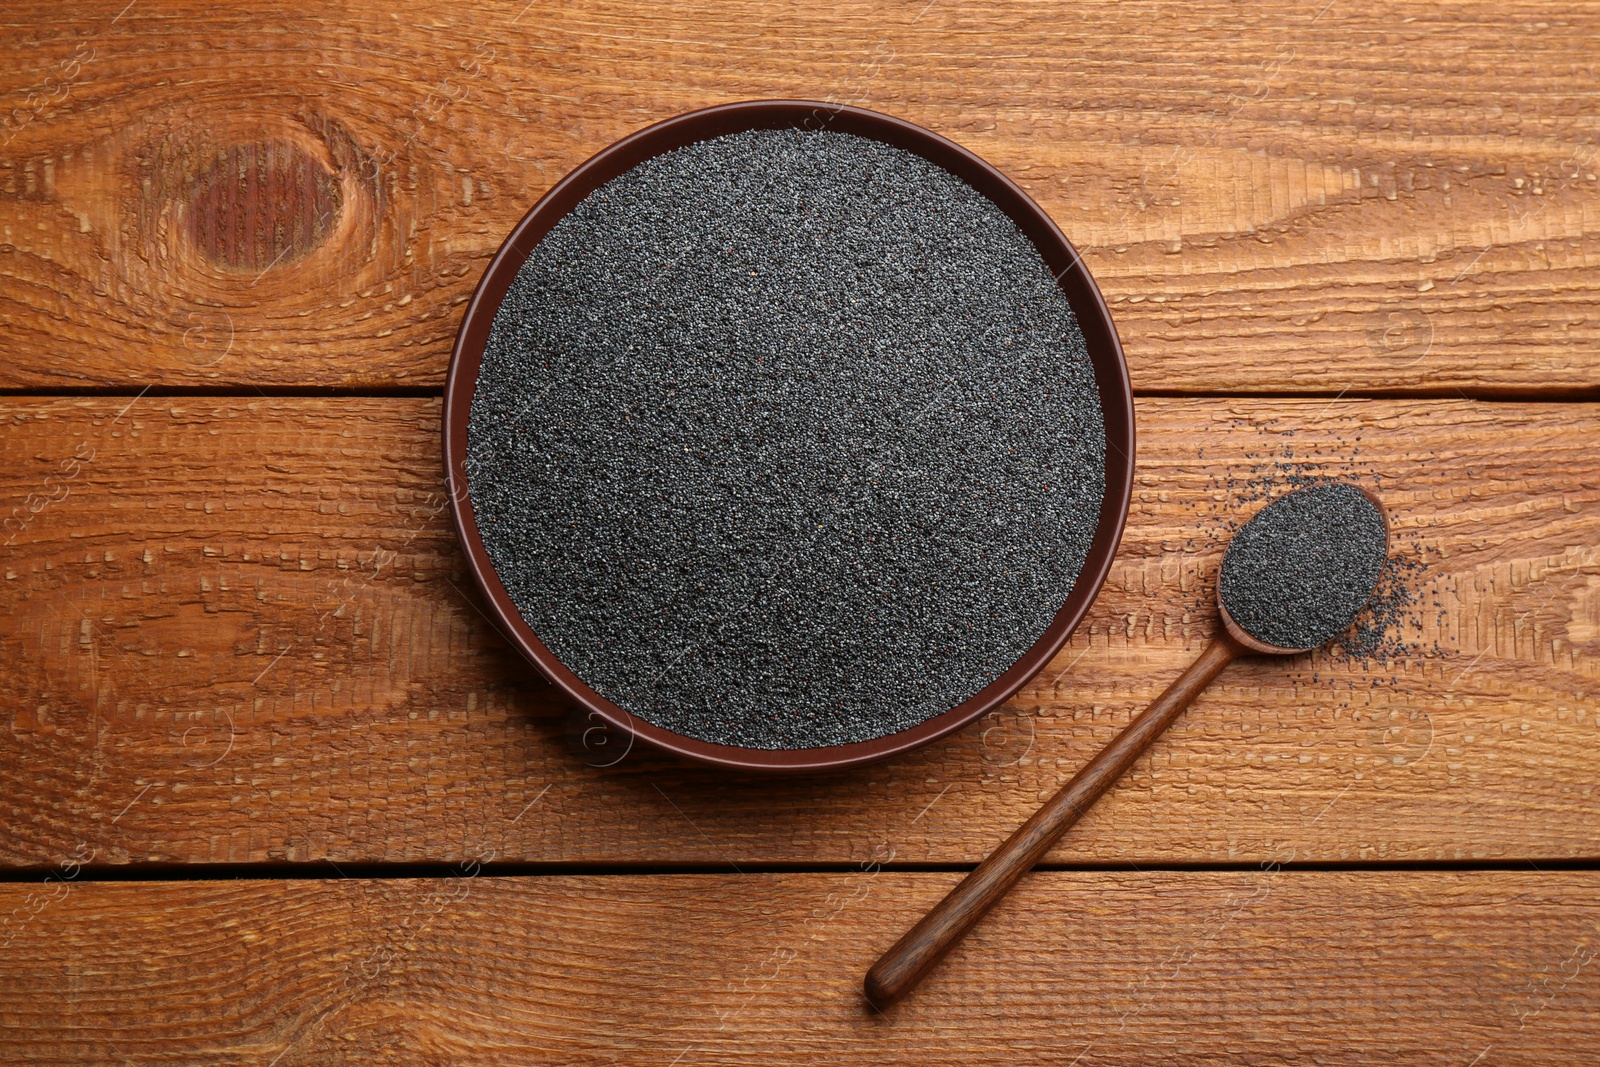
x,y
262,205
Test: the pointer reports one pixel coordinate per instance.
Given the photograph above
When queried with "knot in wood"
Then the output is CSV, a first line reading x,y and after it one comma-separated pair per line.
x,y
261,205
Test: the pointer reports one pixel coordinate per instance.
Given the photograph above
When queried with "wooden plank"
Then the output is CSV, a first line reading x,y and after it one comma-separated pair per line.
x,y
1404,199
1118,968
236,632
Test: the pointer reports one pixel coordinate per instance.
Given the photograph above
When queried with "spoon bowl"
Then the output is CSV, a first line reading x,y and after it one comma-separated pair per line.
x,y
1255,645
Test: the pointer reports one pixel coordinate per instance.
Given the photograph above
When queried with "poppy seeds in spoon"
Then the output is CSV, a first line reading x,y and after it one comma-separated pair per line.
x,y
1297,574
786,439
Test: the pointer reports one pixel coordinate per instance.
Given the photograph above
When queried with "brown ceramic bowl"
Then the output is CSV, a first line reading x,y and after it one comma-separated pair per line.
x,y
1111,374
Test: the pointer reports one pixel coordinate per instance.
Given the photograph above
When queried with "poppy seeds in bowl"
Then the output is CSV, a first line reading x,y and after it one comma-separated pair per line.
x,y
786,439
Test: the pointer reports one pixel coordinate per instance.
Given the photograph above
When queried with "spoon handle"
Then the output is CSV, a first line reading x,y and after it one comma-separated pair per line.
x,y
913,956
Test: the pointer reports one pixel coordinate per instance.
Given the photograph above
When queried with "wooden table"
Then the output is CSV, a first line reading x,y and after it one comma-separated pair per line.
x,y
273,792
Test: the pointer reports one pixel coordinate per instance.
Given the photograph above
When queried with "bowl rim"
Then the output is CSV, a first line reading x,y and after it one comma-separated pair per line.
x,y
1094,319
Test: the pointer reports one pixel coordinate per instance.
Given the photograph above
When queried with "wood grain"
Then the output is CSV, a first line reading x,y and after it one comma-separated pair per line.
x,y
1287,197
909,959
238,633
1250,967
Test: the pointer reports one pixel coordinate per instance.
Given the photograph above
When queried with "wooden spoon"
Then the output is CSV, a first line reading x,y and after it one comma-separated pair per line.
x,y
899,970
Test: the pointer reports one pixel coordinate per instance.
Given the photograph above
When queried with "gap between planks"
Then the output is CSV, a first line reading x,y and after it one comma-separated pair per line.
x,y
324,870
